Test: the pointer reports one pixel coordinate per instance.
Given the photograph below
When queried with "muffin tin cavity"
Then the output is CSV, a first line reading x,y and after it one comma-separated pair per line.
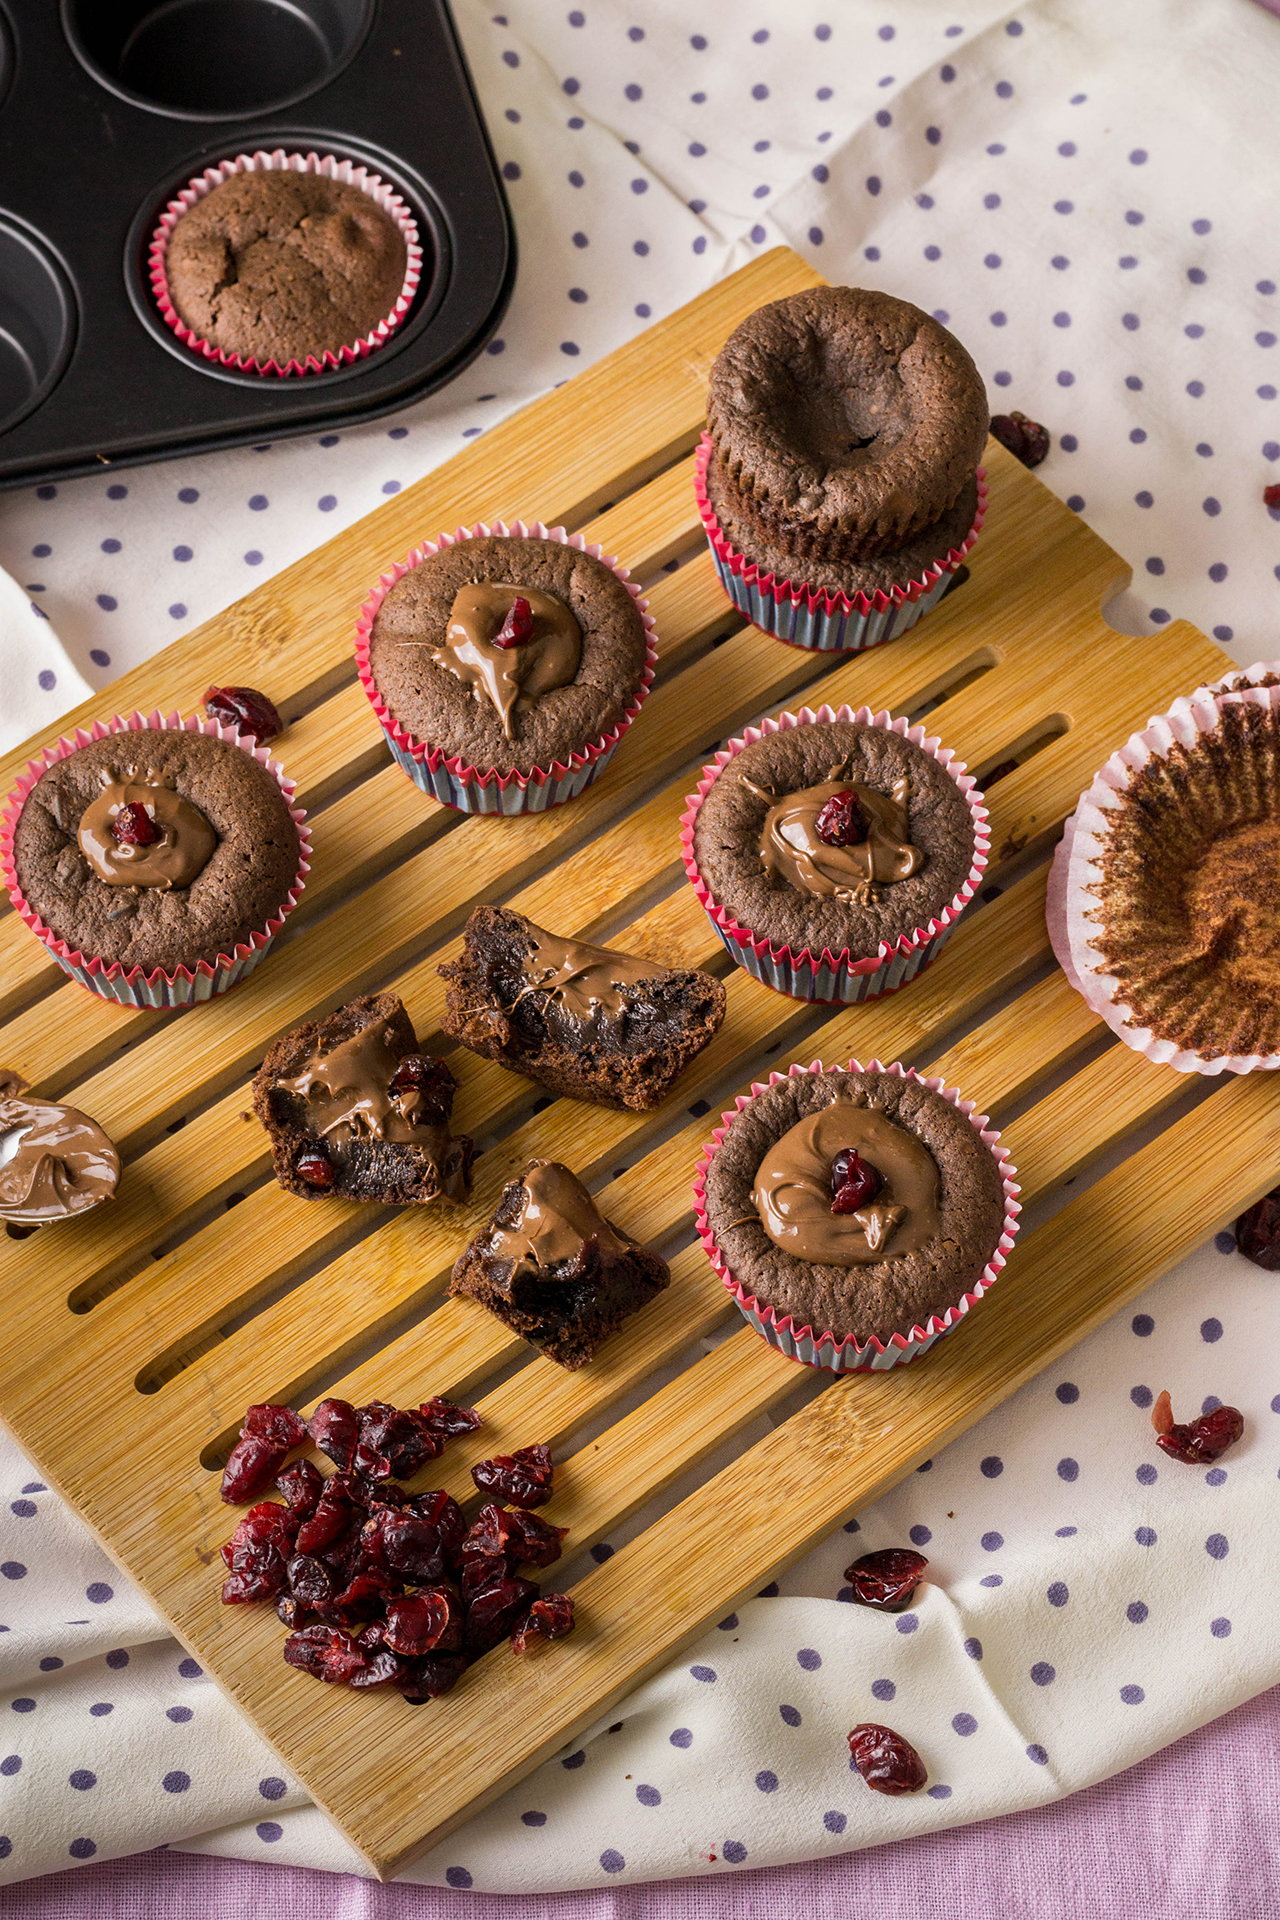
x,y
114,106
214,58
37,323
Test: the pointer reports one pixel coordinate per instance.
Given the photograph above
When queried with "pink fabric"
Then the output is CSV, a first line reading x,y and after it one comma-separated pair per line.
x,y
1190,1834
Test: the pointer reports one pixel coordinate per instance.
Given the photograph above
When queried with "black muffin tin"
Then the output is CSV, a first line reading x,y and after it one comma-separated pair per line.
x,y
108,107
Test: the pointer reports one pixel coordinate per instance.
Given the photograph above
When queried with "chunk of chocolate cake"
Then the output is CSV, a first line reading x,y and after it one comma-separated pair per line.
x,y
553,1269
354,1109
585,1021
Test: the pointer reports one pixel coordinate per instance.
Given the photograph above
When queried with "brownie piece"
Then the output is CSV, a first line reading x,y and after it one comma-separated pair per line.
x,y
585,1021
553,1269
279,265
242,884
731,821
354,1109
878,1296
437,706
845,421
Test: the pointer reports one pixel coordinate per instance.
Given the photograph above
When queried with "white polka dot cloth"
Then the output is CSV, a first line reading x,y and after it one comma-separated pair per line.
x,y
1080,190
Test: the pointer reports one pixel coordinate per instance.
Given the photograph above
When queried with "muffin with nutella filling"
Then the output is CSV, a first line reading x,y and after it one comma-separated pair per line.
x,y
855,1208
839,480
156,852
834,854
508,659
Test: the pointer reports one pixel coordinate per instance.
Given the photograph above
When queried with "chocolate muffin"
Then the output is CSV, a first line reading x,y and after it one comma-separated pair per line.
x,y
353,1109
508,653
922,1210
588,1022
1186,906
793,860
277,265
553,1269
157,848
846,424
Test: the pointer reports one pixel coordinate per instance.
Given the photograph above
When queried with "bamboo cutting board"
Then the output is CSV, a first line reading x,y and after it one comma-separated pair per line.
x,y
143,1330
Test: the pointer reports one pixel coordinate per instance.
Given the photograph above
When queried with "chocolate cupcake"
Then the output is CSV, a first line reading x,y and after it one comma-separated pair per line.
x,y
279,263
834,852
155,859
855,1214
504,666
839,480
1162,903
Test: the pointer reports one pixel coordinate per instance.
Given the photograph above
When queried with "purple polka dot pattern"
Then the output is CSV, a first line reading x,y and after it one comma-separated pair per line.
x,y
533,1819
610,1860
883,1690
269,1830
767,1781
791,1715
1043,1674
809,1658
734,1852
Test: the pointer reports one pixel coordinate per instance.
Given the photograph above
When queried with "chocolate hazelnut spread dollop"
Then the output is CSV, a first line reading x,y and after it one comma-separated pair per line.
x,y
185,840
790,845
558,1218
54,1160
586,981
792,1192
507,675
347,1088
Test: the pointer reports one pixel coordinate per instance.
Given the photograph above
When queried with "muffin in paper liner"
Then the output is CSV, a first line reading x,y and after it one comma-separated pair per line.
x,y
814,618
135,987
1077,870
823,1348
485,790
837,978
279,161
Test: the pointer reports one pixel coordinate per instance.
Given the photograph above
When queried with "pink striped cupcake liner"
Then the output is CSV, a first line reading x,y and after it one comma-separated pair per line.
x,y
830,1351
813,617
134,987
353,175
450,779
843,977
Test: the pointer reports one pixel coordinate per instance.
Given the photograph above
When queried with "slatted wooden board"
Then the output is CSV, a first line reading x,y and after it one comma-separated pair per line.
x,y
139,1334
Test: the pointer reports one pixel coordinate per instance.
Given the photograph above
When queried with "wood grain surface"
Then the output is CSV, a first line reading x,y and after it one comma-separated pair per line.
x,y
143,1330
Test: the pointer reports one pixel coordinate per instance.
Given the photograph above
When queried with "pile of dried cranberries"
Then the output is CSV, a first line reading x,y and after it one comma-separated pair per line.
x,y
382,1587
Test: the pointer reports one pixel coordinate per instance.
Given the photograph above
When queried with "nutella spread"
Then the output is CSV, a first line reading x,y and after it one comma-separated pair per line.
x,y
792,1192
585,981
558,1219
508,675
790,845
54,1160
185,840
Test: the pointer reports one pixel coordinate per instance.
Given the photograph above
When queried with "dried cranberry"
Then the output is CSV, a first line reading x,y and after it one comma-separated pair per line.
x,y
419,1622
341,1661
842,822
531,1541
258,1584
335,1428
886,1580
522,1477
316,1168
1258,1232
301,1484
306,1648
405,1544
310,1580
379,1668
441,1511
549,1618
279,1424
495,1610
447,1418
393,1442
423,1088
436,1674
328,1523
887,1762
517,628
1025,439
364,1598
292,1612
133,826
251,1465
245,709
1271,496
481,1570
1200,1441
853,1182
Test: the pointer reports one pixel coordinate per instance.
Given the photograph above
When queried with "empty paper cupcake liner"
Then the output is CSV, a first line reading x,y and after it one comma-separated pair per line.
x,y
1077,869
842,977
450,779
279,161
815,618
833,1352
133,986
